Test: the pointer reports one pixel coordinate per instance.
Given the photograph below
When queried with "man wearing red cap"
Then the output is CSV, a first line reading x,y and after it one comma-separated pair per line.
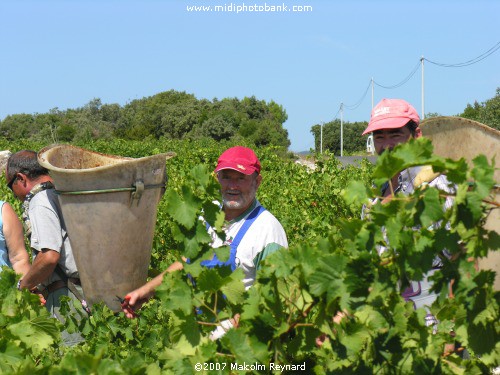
x,y
252,232
395,121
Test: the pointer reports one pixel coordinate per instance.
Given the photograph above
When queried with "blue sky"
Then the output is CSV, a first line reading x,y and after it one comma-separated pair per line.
x,y
65,53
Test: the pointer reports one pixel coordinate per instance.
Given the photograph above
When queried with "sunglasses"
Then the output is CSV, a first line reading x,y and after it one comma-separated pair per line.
x,y
11,182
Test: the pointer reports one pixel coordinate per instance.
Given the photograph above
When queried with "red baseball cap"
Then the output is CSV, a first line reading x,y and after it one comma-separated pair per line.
x,y
239,158
391,114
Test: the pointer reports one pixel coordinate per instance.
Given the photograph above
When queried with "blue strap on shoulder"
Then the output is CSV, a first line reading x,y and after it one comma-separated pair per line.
x,y
215,262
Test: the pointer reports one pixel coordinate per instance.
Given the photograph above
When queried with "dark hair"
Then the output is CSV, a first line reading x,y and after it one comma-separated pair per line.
x,y
25,162
412,127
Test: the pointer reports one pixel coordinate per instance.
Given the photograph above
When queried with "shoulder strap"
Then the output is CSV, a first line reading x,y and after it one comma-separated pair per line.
x,y
249,220
26,205
246,225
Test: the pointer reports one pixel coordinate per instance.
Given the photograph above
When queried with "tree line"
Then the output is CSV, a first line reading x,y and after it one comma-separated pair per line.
x,y
170,114
487,112
179,115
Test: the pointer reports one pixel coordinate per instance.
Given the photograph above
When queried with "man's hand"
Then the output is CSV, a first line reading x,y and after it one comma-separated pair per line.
x,y
34,291
337,319
40,295
224,326
134,300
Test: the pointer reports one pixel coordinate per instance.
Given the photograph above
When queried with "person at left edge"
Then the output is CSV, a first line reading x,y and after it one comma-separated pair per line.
x,y
12,251
53,272
252,232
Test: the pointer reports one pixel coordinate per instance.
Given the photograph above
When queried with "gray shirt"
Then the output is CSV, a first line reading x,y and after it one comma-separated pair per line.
x,y
49,232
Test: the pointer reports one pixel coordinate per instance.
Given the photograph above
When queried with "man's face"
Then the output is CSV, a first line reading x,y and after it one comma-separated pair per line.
x,y
14,183
238,190
387,139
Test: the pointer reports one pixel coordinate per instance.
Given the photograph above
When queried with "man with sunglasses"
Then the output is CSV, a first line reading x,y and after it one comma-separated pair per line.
x,y
53,272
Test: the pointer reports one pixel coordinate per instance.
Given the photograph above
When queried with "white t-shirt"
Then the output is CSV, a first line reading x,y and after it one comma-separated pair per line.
x,y
264,236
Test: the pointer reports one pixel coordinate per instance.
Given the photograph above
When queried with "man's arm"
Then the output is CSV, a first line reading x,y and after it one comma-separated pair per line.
x,y
13,233
41,269
135,299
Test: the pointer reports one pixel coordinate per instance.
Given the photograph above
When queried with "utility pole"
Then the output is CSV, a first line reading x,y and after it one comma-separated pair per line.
x,y
321,138
423,101
341,129
372,92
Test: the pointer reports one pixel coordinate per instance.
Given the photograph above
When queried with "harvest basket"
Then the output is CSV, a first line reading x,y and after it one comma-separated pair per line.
x,y
109,205
455,138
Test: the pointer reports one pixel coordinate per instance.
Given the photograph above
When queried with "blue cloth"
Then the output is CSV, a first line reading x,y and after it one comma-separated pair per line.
x,y
215,262
4,255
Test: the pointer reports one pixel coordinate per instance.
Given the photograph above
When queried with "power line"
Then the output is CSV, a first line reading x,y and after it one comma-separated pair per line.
x,y
475,60
403,81
335,117
358,103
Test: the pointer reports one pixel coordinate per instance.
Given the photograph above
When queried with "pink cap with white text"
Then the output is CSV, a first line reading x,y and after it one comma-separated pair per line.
x,y
391,114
